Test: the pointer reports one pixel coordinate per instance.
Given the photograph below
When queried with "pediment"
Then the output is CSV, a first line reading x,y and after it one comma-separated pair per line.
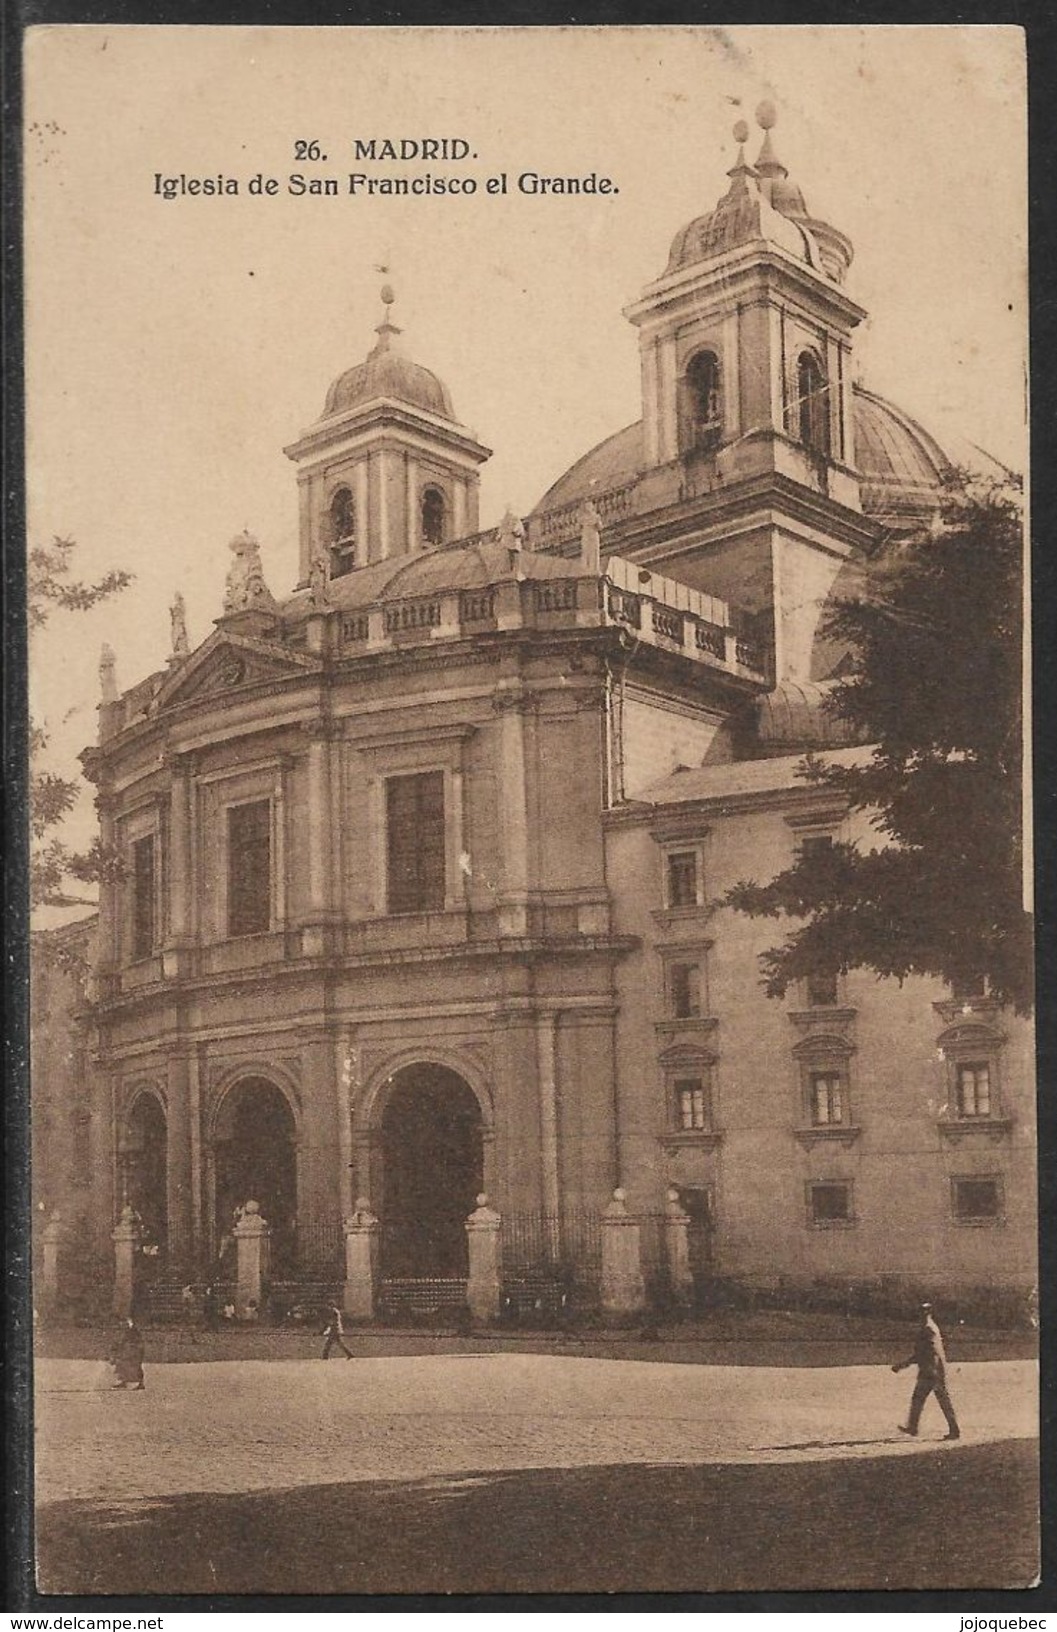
x,y
226,663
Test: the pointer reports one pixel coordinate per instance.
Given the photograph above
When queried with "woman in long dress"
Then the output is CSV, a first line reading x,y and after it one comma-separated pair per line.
x,y
127,1358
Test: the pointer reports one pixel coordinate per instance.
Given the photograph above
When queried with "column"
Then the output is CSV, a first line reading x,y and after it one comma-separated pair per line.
x,y
546,1033
346,1054
320,859
361,1261
178,1161
107,933
623,1286
53,1238
513,908
125,1236
483,1286
180,766
252,1235
677,1249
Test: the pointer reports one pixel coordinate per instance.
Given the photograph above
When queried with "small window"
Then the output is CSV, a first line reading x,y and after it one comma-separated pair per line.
x,y
143,897
702,381
433,516
976,1201
828,1099
821,991
973,1084
973,986
693,1110
685,990
812,393
830,1203
682,878
342,533
415,842
250,868
816,844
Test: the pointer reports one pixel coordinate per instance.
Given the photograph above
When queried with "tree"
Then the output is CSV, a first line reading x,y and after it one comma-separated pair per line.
x,y
935,688
51,587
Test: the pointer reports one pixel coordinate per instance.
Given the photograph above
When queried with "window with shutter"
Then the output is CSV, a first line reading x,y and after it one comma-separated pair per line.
x,y
250,868
415,842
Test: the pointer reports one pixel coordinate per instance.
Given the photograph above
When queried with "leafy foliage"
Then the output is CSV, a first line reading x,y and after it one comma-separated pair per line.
x,y
935,687
54,865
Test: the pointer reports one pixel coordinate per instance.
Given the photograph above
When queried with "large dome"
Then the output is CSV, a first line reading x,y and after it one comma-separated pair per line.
x,y
900,464
386,372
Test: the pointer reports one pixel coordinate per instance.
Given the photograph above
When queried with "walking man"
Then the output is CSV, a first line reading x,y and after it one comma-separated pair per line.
x,y
334,1332
931,1361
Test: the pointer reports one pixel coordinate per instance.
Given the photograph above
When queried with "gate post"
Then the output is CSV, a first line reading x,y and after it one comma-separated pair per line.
x,y
125,1236
53,1237
252,1236
361,1260
677,1249
623,1286
482,1287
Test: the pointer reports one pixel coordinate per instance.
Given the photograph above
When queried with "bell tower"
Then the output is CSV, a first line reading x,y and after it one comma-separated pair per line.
x,y
387,469
745,341
748,439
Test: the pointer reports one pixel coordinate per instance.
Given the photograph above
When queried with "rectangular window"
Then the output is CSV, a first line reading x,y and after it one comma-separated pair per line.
x,y
685,989
821,991
415,842
827,1099
692,1104
250,868
815,844
830,1203
976,1200
682,878
143,897
974,1088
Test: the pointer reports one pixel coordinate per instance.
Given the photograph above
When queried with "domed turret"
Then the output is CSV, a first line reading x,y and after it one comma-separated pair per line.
x,y
387,470
762,204
386,372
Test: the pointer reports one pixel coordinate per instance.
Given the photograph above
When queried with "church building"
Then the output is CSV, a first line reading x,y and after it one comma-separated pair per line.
x,y
423,859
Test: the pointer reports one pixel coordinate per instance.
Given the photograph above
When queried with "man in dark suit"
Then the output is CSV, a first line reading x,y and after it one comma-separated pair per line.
x,y
931,1361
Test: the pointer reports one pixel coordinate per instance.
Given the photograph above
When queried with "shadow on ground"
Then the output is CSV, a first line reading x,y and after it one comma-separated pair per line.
x,y
962,1517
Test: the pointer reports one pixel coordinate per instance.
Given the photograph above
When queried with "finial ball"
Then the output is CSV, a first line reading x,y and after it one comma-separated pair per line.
x,y
741,131
387,294
766,115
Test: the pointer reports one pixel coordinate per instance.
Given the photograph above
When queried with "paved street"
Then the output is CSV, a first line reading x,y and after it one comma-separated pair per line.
x,y
251,1454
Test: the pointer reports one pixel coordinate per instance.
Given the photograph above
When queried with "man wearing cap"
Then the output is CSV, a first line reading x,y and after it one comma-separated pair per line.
x,y
931,1361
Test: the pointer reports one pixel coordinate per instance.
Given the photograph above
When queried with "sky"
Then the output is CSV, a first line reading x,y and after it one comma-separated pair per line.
x,y
175,346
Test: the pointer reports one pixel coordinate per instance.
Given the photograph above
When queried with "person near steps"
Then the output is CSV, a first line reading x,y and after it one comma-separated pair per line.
x,y
931,1360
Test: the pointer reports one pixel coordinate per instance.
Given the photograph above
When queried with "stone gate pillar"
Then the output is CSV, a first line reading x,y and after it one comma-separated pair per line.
x,y
623,1285
126,1237
677,1249
53,1237
252,1236
483,1287
361,1261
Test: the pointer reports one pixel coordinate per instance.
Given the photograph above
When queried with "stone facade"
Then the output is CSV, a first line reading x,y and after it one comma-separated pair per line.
x,y
422,862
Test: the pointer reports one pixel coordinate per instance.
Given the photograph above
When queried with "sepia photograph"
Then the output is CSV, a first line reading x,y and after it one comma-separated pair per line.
x,y
529,807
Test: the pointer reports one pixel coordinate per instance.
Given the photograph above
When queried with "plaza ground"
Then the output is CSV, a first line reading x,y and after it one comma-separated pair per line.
x,y
500,1470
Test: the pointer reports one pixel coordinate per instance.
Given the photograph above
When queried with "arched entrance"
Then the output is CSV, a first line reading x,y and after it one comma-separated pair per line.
x,y
432,1171
143,1162
255,1159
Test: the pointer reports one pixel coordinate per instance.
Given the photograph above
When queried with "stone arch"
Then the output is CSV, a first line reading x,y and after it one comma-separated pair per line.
x,y
252,1155
424,1142
143,1160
